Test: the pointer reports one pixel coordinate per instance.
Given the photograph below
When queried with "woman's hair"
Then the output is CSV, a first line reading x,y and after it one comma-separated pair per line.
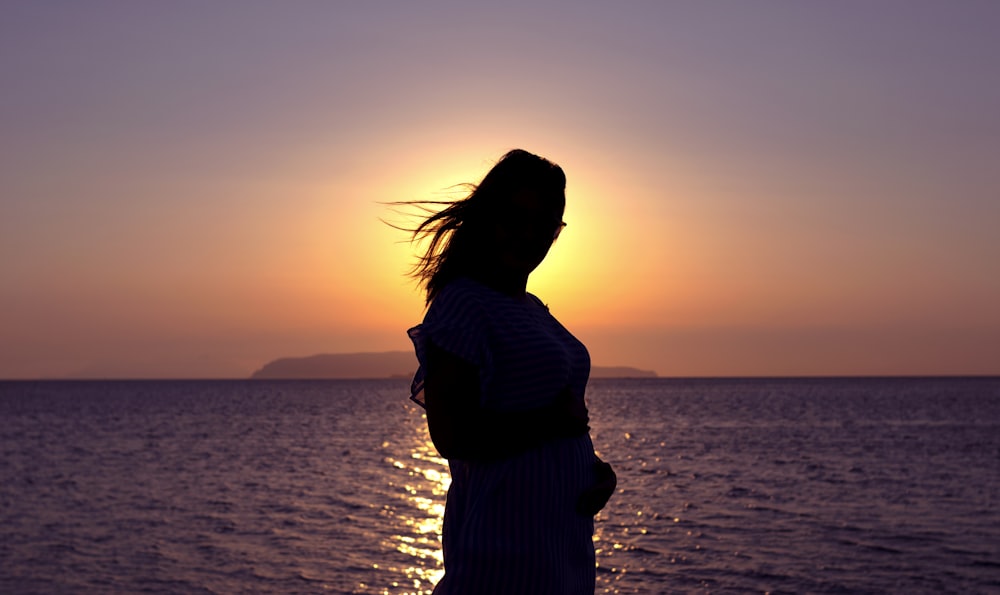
x,y
459,232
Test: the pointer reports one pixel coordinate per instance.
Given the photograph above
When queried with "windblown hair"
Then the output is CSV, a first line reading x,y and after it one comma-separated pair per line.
x,y
459,232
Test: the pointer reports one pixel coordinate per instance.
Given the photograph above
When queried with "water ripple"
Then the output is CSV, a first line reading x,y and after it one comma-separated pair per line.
x,y
725,486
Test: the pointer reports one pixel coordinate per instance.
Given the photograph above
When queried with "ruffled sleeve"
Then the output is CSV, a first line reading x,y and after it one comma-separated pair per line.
x,y
457,321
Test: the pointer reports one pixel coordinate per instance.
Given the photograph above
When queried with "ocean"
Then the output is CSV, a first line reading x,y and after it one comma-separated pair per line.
x,y
796,485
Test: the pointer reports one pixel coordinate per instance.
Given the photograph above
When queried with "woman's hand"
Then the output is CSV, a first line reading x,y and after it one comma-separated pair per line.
x,y
594,498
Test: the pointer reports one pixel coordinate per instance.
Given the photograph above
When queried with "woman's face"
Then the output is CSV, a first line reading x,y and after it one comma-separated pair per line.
x,y
525,229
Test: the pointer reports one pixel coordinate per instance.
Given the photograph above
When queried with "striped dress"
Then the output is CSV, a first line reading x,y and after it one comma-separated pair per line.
x,y
511,526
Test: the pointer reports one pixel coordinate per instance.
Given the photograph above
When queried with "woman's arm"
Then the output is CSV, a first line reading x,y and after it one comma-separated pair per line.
x,y
461,429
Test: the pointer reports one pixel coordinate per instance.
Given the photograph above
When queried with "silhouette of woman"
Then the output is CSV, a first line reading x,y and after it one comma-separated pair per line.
x,y
503,386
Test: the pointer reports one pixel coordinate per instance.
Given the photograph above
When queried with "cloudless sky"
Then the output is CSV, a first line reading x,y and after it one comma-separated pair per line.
x,y
190,189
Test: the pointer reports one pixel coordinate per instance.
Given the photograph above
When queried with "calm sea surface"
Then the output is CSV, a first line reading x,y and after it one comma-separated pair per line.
x,y
726,486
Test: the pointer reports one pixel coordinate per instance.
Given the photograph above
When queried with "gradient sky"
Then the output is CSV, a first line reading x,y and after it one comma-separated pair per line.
x,y
755,188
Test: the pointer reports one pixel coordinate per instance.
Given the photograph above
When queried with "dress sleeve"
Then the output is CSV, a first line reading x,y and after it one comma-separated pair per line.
x,y
456,322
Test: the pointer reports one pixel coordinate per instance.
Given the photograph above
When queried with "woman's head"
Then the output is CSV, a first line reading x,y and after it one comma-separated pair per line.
x,y
505,225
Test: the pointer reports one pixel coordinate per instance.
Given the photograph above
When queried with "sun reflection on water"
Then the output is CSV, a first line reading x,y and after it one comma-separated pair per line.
x,y
419,485
419,514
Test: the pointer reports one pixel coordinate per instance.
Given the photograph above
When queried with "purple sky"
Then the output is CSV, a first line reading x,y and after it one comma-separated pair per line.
x,y
192,189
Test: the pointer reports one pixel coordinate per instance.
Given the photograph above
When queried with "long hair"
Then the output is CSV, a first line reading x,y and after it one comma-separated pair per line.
x,y
459,233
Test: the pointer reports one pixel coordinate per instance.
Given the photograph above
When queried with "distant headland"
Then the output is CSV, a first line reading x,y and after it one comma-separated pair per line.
x,y
385,364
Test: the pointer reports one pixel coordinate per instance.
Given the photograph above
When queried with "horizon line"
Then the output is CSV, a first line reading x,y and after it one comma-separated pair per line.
x,y
604,378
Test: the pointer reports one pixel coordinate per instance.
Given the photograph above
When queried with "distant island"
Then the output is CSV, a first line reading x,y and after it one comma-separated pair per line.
x,y
385,364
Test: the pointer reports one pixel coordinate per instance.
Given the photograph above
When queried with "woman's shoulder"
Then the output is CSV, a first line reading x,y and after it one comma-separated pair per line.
x,y
462,290
534,299
461,296
466,294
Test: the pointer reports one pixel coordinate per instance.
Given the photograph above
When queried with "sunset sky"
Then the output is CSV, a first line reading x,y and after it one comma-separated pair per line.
x,y
190,189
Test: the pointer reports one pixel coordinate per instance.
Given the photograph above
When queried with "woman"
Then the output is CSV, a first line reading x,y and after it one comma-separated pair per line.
x,y
503,386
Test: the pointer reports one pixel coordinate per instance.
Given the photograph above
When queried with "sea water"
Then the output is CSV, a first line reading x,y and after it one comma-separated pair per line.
x,y
875,485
